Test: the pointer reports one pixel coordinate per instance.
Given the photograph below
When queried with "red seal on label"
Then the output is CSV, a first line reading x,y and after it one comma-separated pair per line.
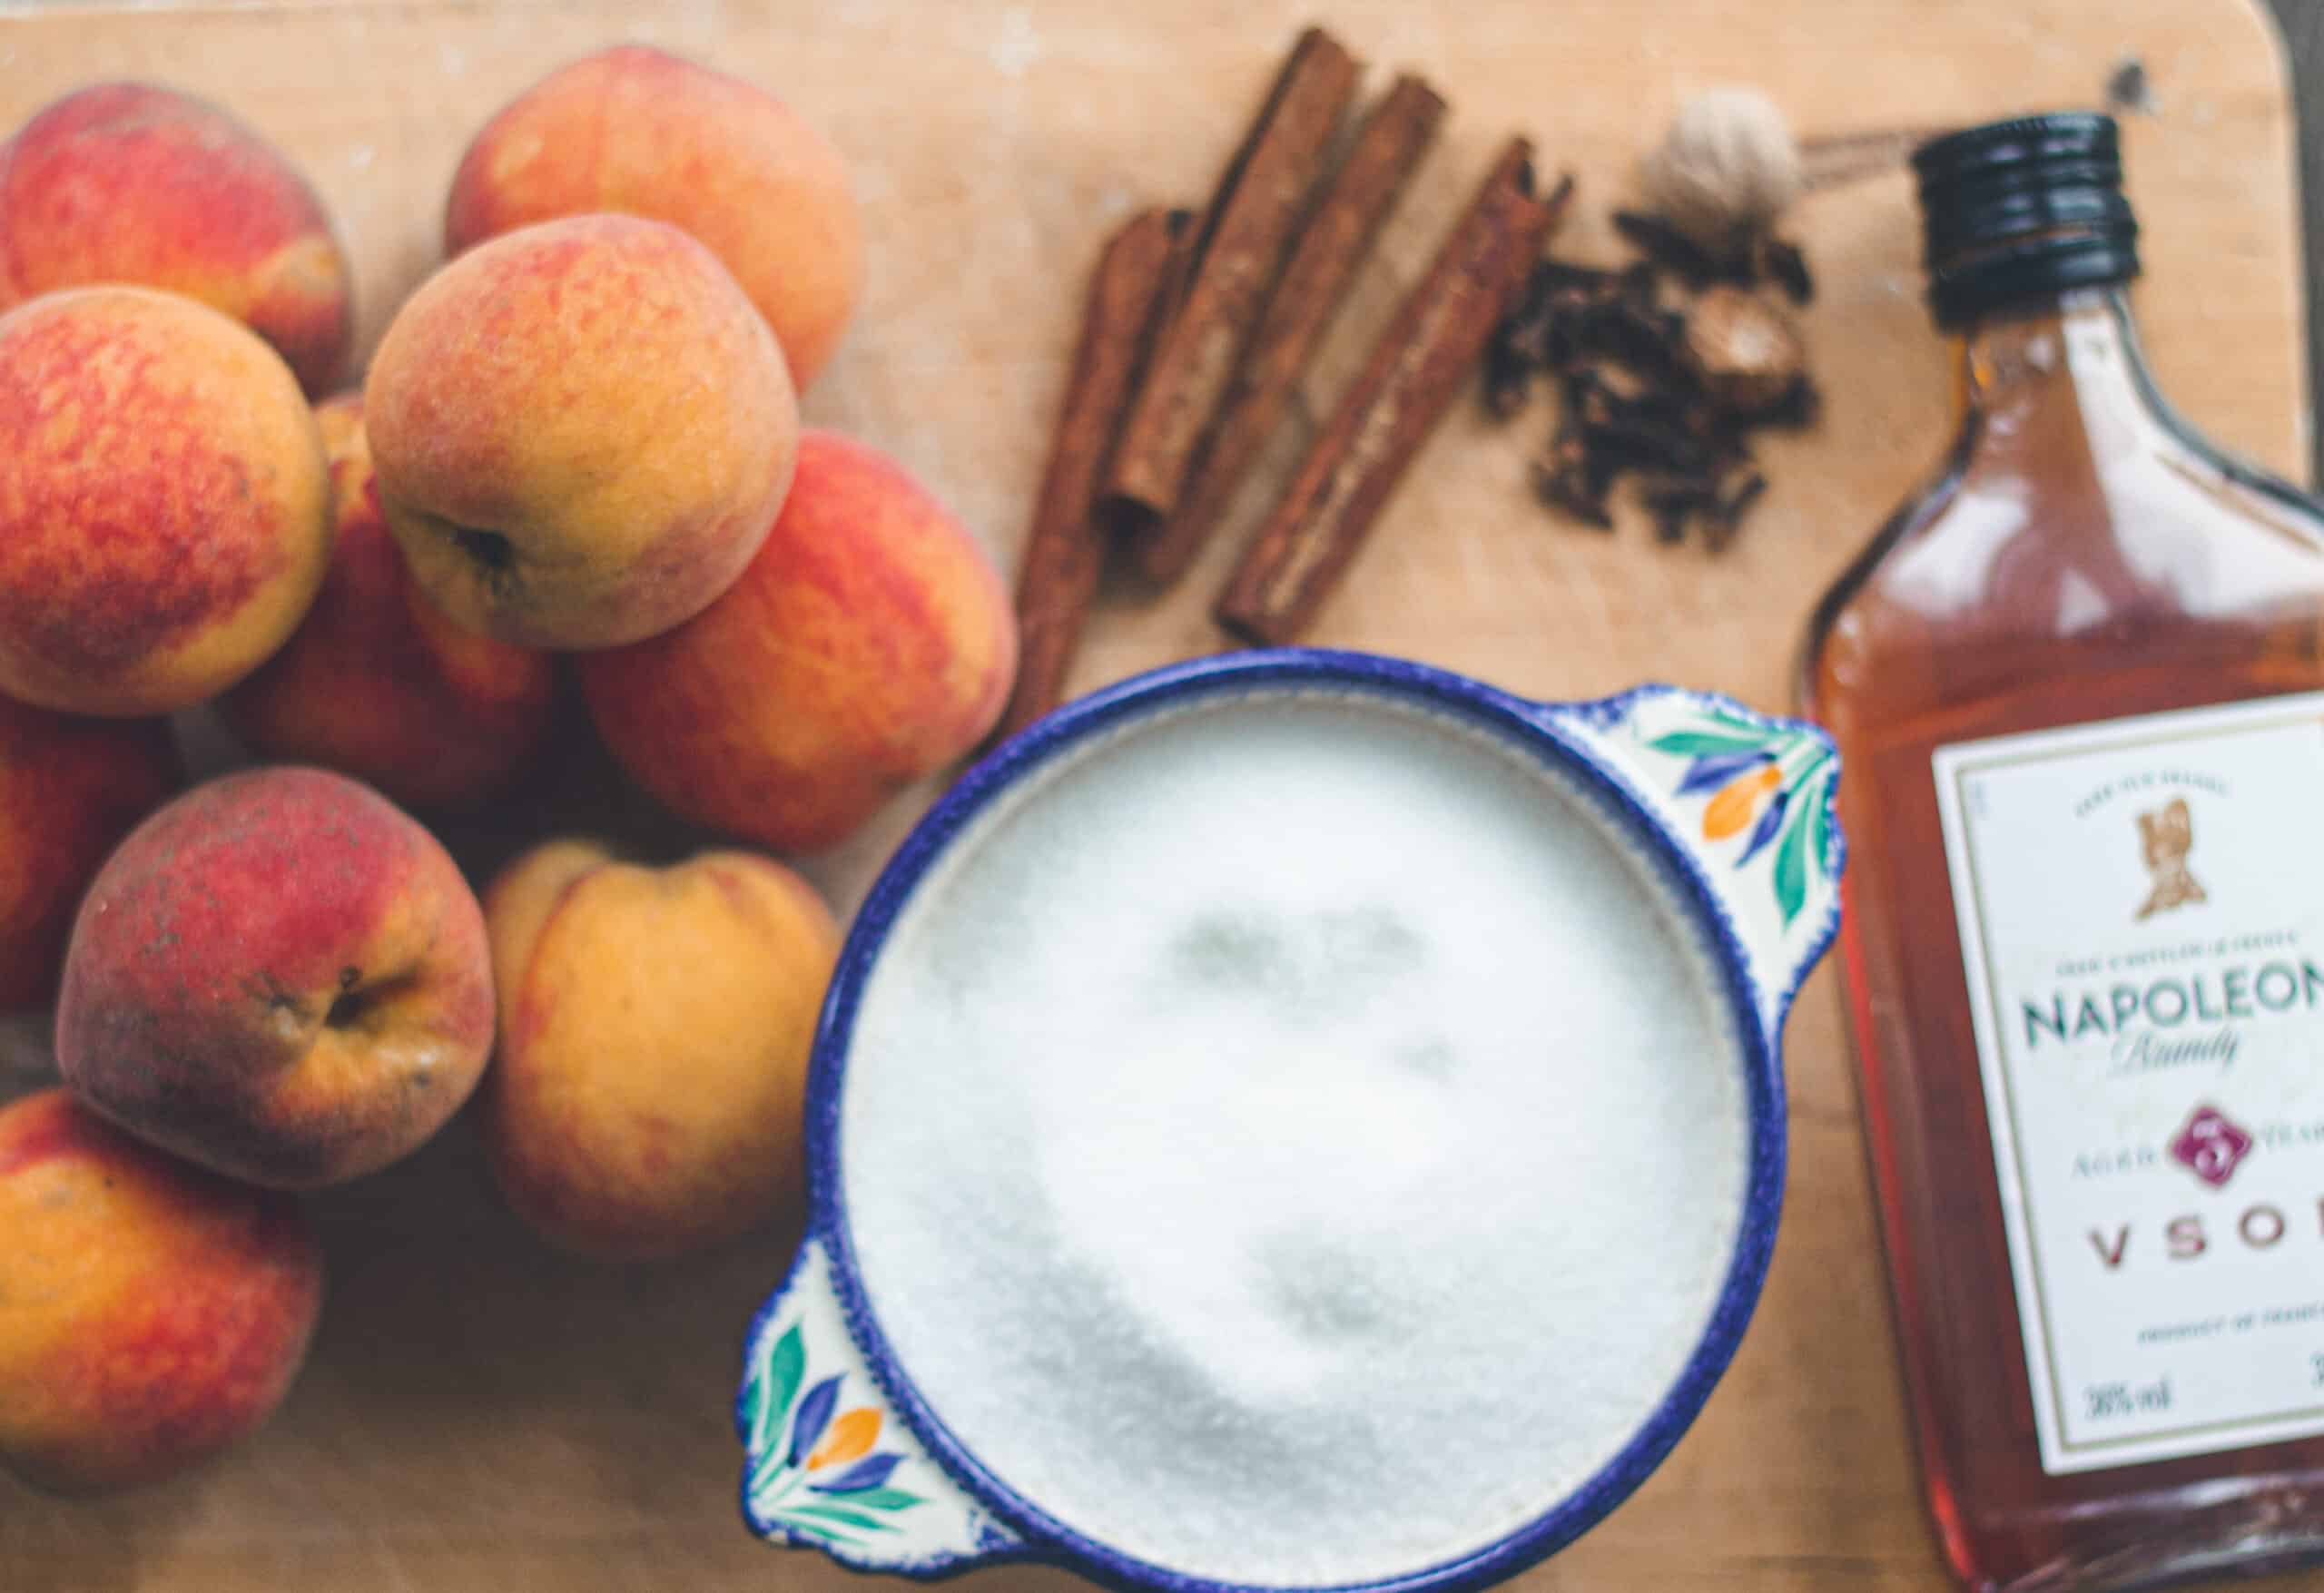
x,y
2212,1146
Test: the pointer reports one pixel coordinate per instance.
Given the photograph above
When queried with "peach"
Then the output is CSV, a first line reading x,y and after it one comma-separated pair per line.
x,y
582,430
165,507
655,1028
127,183
279,976
639,130
69,789
378,685
151,1313
870,643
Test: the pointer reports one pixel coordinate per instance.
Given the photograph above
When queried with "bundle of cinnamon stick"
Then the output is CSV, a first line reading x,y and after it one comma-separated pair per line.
x,y
1197,330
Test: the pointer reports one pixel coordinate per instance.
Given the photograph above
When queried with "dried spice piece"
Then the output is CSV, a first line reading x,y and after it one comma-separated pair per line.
x,y
1665,244
1784,264
1407,384
1747,352
1797,410
1568,478
1675,504
1509,376
1663,367
1728,164
1727,512
1745,256
1246,234
1336,240
1130,294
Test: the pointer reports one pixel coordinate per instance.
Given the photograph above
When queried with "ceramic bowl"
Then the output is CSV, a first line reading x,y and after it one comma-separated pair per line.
x,y
1733,811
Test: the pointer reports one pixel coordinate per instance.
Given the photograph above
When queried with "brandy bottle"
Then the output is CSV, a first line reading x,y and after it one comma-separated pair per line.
x,y
2078,685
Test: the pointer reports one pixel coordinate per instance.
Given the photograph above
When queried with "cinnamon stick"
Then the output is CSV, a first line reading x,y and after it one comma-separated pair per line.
x,y
1246,233
1335,241
1129,296
1407,383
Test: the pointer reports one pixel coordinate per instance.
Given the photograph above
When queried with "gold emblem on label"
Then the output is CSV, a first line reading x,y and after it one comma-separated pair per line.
x,y
2165,837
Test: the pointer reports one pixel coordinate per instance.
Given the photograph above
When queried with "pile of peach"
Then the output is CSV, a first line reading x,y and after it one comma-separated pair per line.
x,y
577,450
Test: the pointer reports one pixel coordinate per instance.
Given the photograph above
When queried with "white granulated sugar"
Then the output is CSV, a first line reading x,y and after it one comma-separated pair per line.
x,y
1296,1147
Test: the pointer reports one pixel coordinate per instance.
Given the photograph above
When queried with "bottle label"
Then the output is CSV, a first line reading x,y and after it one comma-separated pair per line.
x,y
2141,917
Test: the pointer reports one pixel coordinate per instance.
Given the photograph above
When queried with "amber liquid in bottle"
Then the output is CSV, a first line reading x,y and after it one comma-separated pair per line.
x,y
2080,556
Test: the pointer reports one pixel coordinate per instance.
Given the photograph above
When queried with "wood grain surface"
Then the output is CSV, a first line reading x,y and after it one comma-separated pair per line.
x,y
480,1417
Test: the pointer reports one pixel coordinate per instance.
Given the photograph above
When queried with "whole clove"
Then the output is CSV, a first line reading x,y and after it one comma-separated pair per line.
x,y
1786,266
1509,370
1662,243
1662,368
1797,410
1674,504
1567,480
1727,513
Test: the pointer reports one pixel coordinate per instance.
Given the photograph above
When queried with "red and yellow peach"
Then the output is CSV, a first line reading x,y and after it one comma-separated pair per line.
x,y
582,430
128,182
654,1029
280,977
870,643
151,1313
641,131
165,507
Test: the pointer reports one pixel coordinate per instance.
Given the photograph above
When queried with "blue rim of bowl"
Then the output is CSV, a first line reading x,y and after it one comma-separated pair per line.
x,y
1529,726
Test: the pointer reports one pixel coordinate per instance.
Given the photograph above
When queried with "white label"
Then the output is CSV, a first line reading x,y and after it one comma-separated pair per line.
x,y
2141,916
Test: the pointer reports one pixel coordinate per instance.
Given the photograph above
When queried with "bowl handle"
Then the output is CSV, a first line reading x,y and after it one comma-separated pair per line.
x,y
827,1465
1750,797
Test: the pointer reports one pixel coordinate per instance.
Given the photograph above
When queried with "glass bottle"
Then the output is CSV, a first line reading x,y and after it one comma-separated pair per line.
x,y
2078,685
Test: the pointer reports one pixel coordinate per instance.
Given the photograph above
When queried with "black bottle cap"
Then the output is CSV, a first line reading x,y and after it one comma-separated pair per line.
x,y
2023,208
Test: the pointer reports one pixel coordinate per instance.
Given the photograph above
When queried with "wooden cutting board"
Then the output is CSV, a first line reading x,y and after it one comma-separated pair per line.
x,y
482,1418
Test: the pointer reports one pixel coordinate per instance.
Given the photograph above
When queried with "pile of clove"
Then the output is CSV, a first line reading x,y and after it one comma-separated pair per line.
x,y
1663,370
